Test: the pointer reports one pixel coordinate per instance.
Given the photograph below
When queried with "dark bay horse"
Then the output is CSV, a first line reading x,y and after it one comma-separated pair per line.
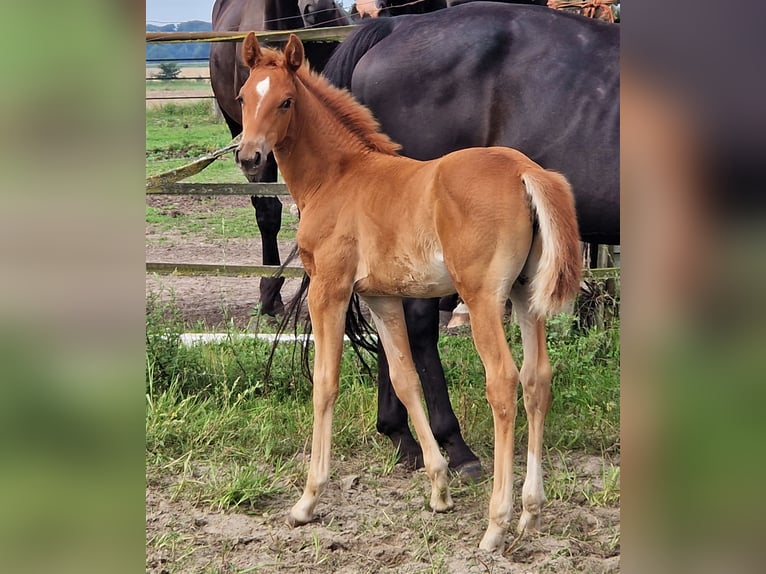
x,y
228,74
539,80
486,222
379,8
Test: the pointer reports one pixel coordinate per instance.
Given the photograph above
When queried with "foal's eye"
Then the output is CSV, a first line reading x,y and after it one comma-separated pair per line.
x,y
239,100
286,104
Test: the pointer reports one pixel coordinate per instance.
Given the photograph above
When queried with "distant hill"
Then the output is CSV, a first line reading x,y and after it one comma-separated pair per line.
x,y
184,51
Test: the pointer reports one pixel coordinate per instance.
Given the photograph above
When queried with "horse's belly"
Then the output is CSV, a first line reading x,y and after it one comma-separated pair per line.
x,y
405,278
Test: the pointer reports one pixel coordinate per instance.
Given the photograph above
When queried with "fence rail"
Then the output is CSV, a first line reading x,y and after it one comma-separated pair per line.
x,y
330,34
177,188
211,269
206,269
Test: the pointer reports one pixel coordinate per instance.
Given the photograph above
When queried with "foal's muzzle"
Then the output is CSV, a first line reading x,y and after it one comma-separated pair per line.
x,y
251,161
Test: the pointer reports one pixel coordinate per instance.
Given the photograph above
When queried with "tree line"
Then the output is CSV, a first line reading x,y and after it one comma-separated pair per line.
x,y
180,51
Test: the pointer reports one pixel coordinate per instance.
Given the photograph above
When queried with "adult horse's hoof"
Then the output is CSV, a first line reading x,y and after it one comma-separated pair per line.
x,y
271,300
410,455
468,472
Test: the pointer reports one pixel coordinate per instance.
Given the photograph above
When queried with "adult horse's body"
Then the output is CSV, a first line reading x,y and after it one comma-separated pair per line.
x,y
377,8
542,81
487,222
228,74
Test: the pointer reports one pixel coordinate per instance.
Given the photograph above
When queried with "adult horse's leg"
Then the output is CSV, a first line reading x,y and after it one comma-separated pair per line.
x,y
536,381
388,315
422,316
268,216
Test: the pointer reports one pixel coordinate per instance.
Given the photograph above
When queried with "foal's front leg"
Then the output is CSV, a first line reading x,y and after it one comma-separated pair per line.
x,y
327,307
388,314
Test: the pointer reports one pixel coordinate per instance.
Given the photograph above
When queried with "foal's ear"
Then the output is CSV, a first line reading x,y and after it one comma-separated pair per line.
x,y
294,53
251,51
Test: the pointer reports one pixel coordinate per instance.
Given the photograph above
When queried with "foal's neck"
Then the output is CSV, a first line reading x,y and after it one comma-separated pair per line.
x,y
319,146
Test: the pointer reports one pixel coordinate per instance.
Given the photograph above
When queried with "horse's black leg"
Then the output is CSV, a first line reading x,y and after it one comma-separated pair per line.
x,y
422,316
448,303
392,417
268,216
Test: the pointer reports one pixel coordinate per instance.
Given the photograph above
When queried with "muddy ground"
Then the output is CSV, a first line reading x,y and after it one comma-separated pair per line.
x,y
367,523
380,524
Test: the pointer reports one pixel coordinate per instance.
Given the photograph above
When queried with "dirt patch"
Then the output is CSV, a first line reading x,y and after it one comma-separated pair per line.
x,y
214,302
379,524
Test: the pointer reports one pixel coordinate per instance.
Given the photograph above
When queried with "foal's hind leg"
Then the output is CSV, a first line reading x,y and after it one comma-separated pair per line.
x,y
502,383
536,382
422,318
388,314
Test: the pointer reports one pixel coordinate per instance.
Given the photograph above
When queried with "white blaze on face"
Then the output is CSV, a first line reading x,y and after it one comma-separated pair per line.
x,y
262,89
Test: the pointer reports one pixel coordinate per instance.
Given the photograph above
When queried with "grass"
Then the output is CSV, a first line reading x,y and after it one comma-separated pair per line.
x,y
179,133
210,407
177,84
230,223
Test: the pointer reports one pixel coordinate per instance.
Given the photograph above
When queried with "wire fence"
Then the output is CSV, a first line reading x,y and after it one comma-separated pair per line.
x,y
201,81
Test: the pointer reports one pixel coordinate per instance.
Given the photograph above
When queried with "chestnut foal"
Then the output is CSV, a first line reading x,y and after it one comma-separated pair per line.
x,y
483,222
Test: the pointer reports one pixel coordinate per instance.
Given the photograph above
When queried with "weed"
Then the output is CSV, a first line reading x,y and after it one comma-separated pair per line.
x,y
609,493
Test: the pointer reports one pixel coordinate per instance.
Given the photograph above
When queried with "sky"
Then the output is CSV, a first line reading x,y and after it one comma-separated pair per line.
x,y
171,11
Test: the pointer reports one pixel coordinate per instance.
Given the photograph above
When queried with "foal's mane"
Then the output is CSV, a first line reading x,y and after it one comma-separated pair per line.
x,y
353,116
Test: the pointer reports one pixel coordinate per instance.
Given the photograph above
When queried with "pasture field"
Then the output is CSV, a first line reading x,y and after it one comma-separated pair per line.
x,y
227,446
192,81
178,133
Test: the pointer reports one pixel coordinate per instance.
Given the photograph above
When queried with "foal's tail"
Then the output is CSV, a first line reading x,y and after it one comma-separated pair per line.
x,y
559,269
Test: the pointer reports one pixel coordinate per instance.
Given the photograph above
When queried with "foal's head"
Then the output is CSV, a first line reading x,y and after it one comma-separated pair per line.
x,y
267,99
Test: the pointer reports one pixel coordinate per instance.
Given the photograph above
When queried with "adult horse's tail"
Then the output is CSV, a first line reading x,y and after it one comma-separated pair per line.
x,y
557,278
340,68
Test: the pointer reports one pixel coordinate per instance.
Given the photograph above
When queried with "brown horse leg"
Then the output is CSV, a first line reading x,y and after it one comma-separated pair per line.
x,y
392,417
502,383
536,382
388,315
327,307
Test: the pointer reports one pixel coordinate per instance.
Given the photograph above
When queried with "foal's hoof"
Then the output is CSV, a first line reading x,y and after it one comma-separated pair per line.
x,y
468,472
493,540
528,522
299,516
